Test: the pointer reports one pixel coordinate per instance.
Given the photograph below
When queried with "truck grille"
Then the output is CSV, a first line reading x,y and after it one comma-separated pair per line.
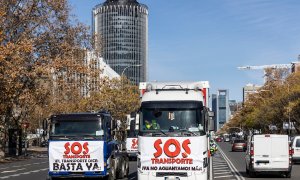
x,y
163,174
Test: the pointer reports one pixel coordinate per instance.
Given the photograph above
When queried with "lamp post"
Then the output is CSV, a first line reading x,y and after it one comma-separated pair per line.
x,y
289,111
135,65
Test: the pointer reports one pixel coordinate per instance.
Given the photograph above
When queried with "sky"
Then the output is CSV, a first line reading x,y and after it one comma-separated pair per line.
x,y
198,40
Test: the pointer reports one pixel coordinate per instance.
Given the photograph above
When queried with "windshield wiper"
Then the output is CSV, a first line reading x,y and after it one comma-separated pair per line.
x,y
161,131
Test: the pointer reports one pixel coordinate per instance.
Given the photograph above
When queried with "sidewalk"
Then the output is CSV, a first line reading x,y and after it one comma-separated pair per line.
x,y
36,151
33,151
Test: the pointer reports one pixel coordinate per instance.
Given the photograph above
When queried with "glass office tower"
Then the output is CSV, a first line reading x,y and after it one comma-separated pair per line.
x,y
220,105
122,27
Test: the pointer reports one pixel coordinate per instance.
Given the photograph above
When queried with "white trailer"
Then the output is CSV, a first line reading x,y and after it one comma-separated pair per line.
x,y
172,141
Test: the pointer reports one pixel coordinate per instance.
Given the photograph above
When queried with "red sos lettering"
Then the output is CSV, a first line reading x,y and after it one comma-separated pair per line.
x,y
76,148
134,143
176,151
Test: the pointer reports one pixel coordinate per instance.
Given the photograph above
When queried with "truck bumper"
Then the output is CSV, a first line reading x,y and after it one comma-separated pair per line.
x,y
132,154
271,170
75,175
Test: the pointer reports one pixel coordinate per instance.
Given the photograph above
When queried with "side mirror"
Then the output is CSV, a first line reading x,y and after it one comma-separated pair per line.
x,y
44,133
211,113
45,125
211,124
132,128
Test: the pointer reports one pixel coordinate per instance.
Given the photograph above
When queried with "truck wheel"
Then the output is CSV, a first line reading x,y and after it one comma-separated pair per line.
x,y
252,174
112,171
122,168
288,174
127,166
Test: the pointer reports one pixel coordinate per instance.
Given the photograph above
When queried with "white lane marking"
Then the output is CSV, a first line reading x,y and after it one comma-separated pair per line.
x,y
221,168
5,177
217,166
15,170
222,176
232,167
24,165
222,172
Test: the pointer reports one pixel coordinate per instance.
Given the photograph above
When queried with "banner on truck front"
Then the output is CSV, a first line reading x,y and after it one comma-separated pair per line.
x,y
132,144
173,153
76,156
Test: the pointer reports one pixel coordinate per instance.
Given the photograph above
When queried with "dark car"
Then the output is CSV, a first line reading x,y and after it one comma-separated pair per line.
x,y
239,145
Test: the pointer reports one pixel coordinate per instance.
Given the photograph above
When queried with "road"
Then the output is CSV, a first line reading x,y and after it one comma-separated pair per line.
x,y
37,169
237,159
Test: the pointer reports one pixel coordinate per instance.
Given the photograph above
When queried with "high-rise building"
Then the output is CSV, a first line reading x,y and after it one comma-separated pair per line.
x,y
220,105
234,106
122,28
250,89
214,109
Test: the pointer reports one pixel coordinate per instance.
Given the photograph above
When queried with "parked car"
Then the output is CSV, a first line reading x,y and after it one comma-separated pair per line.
x,y
269,153
239,145
296,148
218,139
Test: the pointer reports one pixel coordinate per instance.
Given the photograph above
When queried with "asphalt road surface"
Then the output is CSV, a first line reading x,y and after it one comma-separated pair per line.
x,y
236,166
37,169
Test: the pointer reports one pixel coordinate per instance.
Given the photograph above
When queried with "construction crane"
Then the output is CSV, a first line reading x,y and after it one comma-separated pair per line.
x,y
271,66
265,67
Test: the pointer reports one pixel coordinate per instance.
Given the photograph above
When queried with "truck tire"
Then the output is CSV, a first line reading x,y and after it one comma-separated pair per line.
x,y
247,171
252,174
121,168
288,174
113,170
127,166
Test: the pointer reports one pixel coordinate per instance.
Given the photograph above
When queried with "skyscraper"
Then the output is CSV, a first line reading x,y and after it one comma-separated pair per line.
x,y
122,26
220,105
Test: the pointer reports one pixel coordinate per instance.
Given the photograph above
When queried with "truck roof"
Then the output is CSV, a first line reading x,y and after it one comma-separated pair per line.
x,y
185,85
190,95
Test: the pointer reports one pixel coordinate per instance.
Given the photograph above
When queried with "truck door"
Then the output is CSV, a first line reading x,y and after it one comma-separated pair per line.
x,y
280,151
262,151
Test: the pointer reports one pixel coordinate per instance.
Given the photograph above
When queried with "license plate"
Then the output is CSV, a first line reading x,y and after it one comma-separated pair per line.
x,y
172,178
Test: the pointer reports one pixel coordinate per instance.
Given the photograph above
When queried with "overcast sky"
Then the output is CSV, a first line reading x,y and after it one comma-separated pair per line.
x,y
196,40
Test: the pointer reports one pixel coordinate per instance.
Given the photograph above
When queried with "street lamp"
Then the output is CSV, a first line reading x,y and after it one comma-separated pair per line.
x,y
289,111
135,65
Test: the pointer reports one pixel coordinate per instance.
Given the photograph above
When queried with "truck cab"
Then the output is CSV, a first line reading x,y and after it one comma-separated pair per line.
x,y
82,145
172,142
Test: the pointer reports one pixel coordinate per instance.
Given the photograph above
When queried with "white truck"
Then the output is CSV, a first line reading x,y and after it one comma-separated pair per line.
x,y
269,153
173,140
132,135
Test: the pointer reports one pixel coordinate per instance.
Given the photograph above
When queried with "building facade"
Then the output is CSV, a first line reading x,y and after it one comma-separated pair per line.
x,y
122,29
220,105
250,89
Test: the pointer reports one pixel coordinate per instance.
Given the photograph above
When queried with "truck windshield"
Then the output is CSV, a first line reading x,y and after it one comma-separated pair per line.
x,y
76,128
171,117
